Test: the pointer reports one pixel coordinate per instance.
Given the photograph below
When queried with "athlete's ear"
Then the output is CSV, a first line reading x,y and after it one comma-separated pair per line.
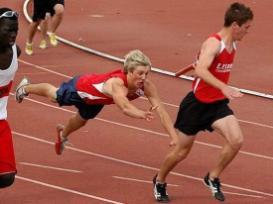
x,y
235,25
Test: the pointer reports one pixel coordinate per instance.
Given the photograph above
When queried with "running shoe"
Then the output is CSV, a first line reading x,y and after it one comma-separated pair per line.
x,y
29,48
215,187
53,39
160,192
61,141
43,44
19,91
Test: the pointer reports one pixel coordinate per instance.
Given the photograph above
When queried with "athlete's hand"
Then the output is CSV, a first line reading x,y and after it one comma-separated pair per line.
x,y
149,115
231,93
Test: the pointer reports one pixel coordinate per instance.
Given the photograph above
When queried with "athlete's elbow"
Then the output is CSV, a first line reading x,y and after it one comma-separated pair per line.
x,y
199,72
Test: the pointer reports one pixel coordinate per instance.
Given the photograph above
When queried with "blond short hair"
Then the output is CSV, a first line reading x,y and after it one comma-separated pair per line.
x,y
135,58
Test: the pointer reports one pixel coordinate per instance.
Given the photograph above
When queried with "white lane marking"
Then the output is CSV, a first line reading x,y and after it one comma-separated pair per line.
x,y
167,104
149,131
49,167
174,185
45,69
243,194
67,190
139,180
257,124
117,59
137,164
96,16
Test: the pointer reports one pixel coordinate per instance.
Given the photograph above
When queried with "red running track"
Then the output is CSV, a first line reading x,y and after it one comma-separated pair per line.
x,y
114,157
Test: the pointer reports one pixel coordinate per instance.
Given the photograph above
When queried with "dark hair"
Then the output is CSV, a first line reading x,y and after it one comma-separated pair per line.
x,y
238,13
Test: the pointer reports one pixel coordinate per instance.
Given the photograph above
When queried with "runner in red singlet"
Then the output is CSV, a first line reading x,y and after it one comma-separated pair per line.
x,y
206,107
89,93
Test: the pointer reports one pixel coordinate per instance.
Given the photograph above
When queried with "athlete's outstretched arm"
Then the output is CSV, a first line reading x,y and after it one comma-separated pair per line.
x,y
154,99
119,95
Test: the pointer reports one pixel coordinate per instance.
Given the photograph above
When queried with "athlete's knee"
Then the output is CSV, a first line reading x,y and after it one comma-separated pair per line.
x,y
236,143
7,180
181,153
59,10
181,156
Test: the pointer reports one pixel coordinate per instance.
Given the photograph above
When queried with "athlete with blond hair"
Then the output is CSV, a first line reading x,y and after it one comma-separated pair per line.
x,y
89,93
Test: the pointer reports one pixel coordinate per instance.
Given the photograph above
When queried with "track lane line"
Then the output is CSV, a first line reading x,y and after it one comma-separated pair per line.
x,y
146,130
140,180
67,190
117,59
175,185
113,159
49,167
167,104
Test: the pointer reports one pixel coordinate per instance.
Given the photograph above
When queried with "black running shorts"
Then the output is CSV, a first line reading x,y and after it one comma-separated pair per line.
x,y
67,96
194,116
52,4
41,7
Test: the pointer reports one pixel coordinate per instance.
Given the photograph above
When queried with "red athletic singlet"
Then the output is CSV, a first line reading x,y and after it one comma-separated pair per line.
x,y
220,68
90,87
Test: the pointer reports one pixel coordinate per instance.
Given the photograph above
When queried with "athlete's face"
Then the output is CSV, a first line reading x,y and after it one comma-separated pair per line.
x,y
137,77
8,31
240,31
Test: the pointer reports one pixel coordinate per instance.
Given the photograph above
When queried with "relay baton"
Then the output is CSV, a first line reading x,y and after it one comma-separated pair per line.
x,y
185,69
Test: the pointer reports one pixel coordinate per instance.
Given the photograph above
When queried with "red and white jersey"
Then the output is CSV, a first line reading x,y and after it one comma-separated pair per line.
x,y
6,78
220,68
90,87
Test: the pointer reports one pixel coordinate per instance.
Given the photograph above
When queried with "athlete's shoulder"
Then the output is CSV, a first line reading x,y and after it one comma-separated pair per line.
x,y
211,45
215,36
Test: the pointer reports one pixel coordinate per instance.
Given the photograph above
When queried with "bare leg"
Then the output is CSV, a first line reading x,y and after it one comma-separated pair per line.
x,y
43,26
229,128
32,30
57,18
31,33
73,124
43,89
177,154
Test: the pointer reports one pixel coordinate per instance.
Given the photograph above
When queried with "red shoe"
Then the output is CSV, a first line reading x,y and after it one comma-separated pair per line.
x,y
60,143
